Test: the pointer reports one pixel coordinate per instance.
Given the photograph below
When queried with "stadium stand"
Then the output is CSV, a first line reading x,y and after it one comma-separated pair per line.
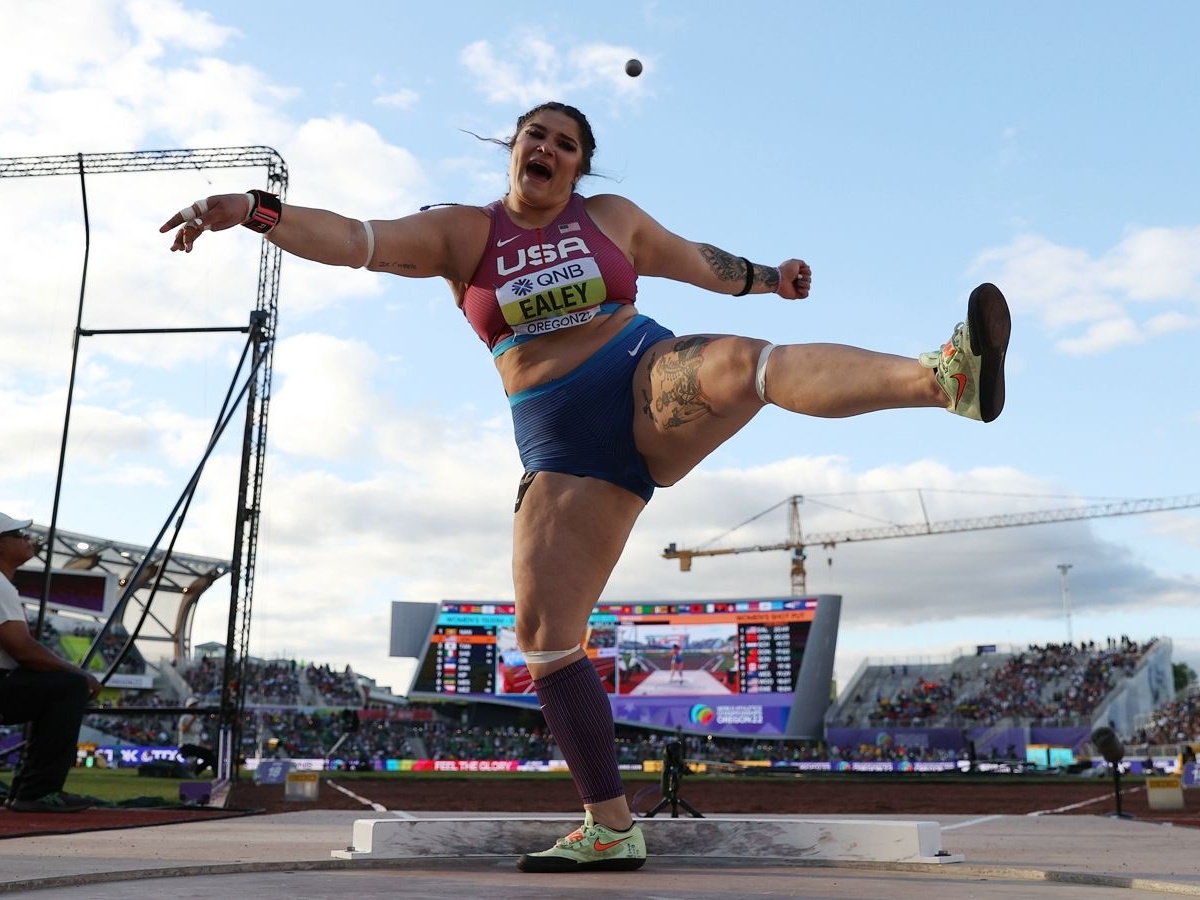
x,y
315,711
1055,684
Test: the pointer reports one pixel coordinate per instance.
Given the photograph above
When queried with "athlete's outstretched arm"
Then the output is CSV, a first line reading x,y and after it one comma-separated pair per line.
x,y
418,246
659,252
315,234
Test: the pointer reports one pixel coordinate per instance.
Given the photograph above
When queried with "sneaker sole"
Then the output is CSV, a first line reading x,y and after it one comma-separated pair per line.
x,y
559,864
990,327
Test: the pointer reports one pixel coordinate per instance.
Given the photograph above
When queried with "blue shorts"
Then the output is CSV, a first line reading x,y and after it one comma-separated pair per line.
x,y
582,423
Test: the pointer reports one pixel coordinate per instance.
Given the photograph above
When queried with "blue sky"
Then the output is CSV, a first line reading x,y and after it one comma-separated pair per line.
x,y
907,152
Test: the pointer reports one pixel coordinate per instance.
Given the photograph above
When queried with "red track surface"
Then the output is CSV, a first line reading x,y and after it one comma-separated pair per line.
x,y
849,795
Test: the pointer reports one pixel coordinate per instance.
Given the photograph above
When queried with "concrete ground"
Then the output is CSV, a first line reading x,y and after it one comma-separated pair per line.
x,y
291,855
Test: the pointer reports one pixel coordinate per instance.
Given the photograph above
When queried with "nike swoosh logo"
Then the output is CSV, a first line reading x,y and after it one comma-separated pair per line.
x,y
506,241
600,846
962,386
634,351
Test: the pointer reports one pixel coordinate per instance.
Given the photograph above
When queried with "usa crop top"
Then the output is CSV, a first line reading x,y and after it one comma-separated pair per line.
x,y
532,282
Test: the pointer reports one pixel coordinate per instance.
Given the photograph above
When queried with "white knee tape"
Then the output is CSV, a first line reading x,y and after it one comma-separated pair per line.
x,y
542,657
760,376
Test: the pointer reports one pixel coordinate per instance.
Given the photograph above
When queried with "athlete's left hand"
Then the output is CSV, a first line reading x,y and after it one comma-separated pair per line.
x,y
795,279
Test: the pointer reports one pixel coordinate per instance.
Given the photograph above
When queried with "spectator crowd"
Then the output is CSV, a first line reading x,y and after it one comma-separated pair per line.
x,y
308,710
1054,684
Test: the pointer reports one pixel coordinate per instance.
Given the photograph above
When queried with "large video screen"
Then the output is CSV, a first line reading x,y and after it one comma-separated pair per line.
x,y
706,666
92,592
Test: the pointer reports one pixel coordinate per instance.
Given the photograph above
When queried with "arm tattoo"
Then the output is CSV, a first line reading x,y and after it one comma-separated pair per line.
x,y
725,266
728,267
767,275
388,264
680,398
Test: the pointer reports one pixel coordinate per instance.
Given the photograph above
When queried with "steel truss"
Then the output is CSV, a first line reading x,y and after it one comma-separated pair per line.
x,y
257,392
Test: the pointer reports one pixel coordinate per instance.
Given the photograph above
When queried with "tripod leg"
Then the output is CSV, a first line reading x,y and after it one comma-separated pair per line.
x,y
688,807
662,804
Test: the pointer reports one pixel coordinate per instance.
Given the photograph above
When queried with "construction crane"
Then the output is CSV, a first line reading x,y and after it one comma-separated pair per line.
x,y
797,542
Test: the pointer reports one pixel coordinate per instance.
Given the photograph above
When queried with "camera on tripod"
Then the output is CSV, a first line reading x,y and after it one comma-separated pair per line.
x,y
673,770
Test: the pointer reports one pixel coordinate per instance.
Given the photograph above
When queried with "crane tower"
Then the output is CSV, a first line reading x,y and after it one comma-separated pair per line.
x,y
797,542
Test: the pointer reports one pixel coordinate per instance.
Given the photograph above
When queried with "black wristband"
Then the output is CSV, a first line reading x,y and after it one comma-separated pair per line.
x,y
749,278
265,210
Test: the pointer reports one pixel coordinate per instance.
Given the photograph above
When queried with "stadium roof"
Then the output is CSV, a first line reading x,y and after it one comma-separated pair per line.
x,y
161,606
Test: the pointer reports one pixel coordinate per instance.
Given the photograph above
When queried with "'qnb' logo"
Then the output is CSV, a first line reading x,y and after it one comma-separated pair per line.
x,y
522,286
701,714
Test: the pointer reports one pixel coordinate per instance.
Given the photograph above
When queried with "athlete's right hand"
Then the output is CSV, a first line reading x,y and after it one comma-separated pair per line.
x,y
210,214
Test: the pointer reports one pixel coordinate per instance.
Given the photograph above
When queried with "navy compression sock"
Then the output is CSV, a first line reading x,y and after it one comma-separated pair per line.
x,y
580,719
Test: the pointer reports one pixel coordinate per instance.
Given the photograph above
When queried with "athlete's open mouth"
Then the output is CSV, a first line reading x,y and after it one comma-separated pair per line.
x,y
538,170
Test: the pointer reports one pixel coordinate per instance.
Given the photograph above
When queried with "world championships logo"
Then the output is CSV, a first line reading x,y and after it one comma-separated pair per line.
x,y
700,714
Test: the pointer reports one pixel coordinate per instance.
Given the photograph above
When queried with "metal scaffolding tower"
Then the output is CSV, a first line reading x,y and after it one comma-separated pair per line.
x,y
256,391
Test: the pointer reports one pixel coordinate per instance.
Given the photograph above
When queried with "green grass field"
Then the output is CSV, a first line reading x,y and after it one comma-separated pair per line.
x,y
119,785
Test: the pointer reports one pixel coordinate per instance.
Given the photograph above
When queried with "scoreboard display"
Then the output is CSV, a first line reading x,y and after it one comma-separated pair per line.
x,y
717,666
769,656
462,659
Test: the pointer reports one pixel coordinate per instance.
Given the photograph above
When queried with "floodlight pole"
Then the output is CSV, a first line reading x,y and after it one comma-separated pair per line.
x,y
1066,597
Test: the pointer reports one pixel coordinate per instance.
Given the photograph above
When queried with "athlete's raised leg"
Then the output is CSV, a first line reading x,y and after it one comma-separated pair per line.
x,y
693,393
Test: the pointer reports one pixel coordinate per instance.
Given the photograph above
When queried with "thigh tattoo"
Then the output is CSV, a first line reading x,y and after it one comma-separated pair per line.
x,y
681,399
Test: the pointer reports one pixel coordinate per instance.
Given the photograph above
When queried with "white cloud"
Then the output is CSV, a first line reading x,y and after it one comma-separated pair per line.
x,y
322,402
1145,286
402,99
1171,323
530,74
1153,264
1101,336
213,103
87,36
128,476
106,75
165,23
532,69
347,165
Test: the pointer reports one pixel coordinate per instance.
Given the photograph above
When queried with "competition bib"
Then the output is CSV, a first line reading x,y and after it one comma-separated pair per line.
x,y
552,298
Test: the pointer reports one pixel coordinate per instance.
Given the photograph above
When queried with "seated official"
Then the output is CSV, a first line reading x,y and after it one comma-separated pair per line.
x,y
38,687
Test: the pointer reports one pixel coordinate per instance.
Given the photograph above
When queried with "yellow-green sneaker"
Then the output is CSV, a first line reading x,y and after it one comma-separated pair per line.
x,y
590,848
970,366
